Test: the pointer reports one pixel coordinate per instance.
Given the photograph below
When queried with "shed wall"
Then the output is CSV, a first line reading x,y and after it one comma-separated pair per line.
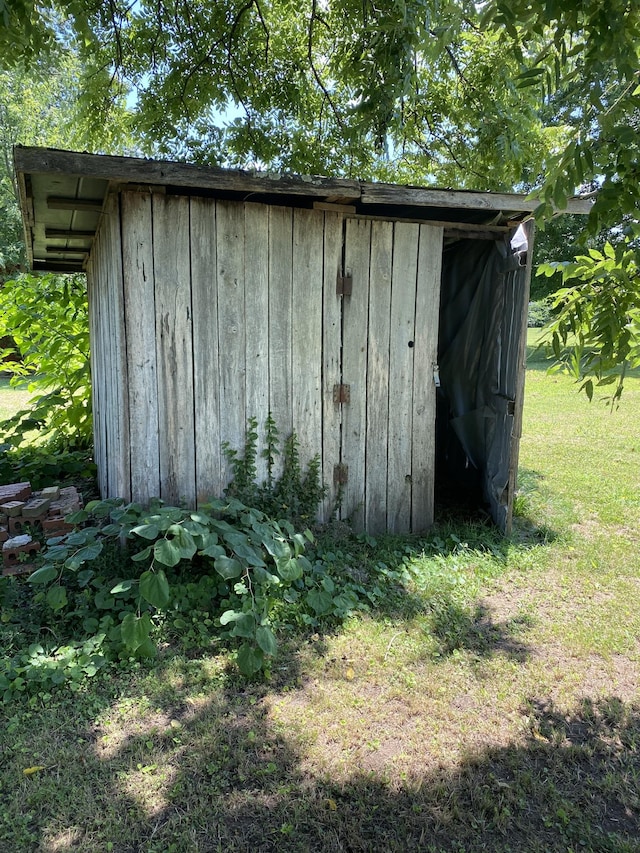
x,y
207,312
109,363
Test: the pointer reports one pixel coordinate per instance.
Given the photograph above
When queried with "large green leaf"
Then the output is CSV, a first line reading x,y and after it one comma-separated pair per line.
x,y
245,626
154,587
43,575
228,568
146,531
167,552
250,659
289,570
321,601
56,597
135,630
248,552
90,552
182,539
266,639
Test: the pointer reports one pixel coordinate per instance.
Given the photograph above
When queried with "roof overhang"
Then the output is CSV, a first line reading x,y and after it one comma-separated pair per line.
x,y
62,194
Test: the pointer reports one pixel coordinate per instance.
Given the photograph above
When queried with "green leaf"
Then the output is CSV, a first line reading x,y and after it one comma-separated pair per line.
x,y
588,387
320,601
250,659
146,649
276,546
123,586
146,531
43,574
89,553
230,616
142,555
56,597
266,639
183,540
165,551
248,552
77,517
154,587
103,600
134,630
211,546
289,570
608,380
78,537
228,568
245,626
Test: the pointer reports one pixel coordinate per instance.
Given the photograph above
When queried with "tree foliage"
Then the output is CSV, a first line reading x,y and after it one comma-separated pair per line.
x,y
507,94
46,316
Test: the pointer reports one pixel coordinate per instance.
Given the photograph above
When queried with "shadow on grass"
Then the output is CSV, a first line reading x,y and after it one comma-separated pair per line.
x,y
539,358
457,629
217,774
525,529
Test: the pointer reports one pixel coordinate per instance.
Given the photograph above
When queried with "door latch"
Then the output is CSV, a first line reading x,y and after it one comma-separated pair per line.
x,y
436,375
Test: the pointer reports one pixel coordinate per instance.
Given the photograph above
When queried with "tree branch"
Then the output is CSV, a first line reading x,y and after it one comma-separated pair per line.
x,y
314,70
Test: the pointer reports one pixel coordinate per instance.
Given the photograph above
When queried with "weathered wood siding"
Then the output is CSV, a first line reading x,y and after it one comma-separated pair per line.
x,y
390,335
209,312
109,368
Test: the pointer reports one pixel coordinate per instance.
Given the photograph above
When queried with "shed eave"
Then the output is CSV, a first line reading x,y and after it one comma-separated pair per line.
x,y
62,194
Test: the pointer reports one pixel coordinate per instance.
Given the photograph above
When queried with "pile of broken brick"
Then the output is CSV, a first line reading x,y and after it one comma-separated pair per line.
x,y
24,514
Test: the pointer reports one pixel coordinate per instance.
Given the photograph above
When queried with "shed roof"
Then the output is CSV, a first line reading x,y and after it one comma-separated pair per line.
x,y
62,194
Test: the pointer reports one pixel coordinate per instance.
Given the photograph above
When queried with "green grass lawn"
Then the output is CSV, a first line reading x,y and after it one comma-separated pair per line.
x,y
11,400
493,708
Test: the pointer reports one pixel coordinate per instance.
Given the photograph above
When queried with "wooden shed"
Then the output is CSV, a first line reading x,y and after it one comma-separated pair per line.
x,y
385,325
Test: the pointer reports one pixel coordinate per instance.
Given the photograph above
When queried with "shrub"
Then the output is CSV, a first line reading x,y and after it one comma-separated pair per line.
x,y
539,314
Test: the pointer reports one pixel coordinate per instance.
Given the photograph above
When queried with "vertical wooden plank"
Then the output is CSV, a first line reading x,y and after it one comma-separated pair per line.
x,y
401,340
107,361
174,348
119,465
280,311
331,357
306,348
94,283
206,368
425,354
521,348
354,368
140,325
378,377
104,358
256,274
230,236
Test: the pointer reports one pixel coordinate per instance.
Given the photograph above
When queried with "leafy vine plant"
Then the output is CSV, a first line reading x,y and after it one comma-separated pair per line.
x,y
253,558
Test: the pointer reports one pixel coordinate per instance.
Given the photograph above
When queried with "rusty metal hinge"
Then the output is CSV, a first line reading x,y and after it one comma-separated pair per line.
x,y
341,394
340,474
344,284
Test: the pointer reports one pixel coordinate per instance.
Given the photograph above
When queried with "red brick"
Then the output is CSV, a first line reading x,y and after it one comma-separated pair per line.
x,y
17,525
15,492
12,549
56,526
